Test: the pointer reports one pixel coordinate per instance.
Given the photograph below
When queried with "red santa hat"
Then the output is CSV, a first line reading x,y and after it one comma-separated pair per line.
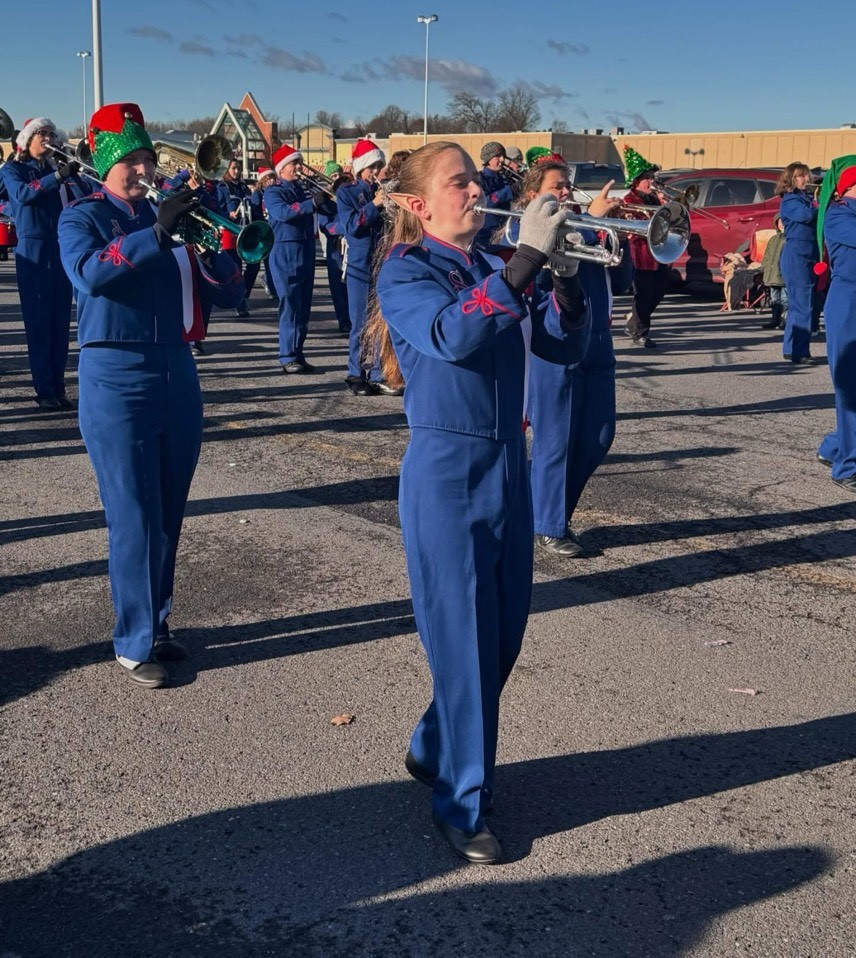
x,y
284,155
31,128
365,154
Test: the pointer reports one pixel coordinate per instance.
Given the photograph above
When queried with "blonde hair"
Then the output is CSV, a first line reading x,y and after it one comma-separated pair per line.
x,y
413,178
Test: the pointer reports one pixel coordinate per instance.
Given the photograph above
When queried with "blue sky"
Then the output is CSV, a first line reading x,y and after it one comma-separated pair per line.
x,y
590,67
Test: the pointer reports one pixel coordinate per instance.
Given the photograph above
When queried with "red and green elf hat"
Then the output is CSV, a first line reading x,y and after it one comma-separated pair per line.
x,y
116,130
635,165
535,153
840,176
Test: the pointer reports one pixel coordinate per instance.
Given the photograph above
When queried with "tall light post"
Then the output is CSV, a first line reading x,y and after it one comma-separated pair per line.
x,y
433,18
83,54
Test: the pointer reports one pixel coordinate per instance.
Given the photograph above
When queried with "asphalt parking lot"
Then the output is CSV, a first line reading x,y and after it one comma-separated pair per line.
x,y
676,770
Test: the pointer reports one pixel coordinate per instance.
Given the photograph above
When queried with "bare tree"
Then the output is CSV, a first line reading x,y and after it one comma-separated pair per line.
x,y
334,120
517,109
476,114
559,126
391,119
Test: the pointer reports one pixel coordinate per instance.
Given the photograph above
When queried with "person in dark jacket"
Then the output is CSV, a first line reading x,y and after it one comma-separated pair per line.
x,y
498,193
772,276
39,187
650,278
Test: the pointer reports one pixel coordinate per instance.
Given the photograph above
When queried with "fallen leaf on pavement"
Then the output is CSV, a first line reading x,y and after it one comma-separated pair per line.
x,y
344,719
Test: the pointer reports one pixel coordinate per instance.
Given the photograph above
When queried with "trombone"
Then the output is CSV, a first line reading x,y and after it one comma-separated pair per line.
x,y
667,234
513,177
317,181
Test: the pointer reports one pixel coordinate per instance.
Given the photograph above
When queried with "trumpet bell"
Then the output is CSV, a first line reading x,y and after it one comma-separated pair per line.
x,y
254,242
7,127
213,156
669,232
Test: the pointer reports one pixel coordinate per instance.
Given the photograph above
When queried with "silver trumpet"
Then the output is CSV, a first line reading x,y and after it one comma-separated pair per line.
x,y
667,233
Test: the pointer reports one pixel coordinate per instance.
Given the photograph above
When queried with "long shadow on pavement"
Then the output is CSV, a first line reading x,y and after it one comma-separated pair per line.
x,y
301,876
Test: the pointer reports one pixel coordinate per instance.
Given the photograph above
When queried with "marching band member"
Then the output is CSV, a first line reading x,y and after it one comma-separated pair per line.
x,y
651,279
267,178
232,195
291,210
514,156
139,294
38,189
498,193
571,408
799,219
328,224
455,322
836,229
361,220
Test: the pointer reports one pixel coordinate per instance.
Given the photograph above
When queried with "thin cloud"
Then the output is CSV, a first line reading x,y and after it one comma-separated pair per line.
x,y
151,33
335,15
654,102
563,48
629,118
194,48
452,75
244,40
281,59
547,91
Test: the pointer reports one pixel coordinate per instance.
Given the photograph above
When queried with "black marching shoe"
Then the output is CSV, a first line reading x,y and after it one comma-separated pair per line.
x,y
419,772
386,390
848,483
65,402
49,405
197,348
168,649
568,547
360,386
149,675
478,848
824,461
297,366
805,360
242,309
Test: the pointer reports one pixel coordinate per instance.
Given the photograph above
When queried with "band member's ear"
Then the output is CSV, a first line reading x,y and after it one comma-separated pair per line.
x,y
415,204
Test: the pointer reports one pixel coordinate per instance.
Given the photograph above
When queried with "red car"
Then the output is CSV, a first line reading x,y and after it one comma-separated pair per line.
x,y
738,202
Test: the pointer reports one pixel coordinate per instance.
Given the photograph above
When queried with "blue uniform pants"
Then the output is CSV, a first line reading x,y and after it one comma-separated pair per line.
x,y
358,301
46,309
840,446
466,522
141,420
293,268
573,426
797,273
338,289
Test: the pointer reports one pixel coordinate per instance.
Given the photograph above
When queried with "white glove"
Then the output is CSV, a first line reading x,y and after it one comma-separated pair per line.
x,y
540,224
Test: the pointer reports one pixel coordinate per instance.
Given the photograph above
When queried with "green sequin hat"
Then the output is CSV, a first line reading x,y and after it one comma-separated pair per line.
x,y
115,131
635,165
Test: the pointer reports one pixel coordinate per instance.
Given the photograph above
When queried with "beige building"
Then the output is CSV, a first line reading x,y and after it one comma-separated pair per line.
x,y
669,150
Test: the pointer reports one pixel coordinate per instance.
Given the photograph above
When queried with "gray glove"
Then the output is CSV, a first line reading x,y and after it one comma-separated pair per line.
x,y
540,224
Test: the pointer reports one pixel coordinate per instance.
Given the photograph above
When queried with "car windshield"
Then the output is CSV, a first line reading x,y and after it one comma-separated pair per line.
x,y
593,177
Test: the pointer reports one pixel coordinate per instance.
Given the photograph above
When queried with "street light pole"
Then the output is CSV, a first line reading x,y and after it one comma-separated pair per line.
x,y
433,18
83,54
97,79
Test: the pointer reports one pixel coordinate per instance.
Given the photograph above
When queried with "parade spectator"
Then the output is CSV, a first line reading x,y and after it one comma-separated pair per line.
x,y
772,276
